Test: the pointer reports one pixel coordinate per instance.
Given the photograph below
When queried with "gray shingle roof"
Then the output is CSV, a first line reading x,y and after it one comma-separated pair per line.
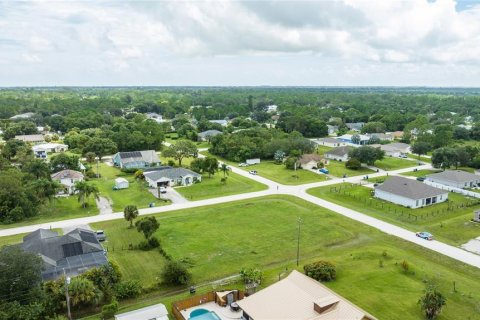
x,y
148,156
409,188
340,151
172,173
67,174
209,133
328,140
455,176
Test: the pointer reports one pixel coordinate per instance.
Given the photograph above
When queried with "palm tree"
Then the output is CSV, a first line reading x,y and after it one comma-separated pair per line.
x,y
224,168
85,190
432,302
130,213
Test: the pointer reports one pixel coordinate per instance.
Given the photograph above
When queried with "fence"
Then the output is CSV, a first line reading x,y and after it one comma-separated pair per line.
x,y
453,189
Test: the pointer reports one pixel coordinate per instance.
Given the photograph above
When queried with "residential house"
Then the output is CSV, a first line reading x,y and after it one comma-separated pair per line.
x,y
393,149
329,142
355,126
364,139
310,161
206,135
332,129
41,150
299,297
382,136
136,159
70,254
397,134
23,116
409,193
455,178
154,116
171,177
68,178
272,108
223,123
31,138
155,312
338,154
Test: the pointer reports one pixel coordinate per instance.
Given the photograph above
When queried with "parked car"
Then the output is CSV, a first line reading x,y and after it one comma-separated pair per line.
x,y
163,190
243,164
421,178
424,235
254,172
403,156
100,235
323,170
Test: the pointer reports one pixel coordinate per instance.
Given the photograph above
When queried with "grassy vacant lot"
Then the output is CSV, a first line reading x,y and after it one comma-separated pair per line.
x,y
220,240
422,159
59,209
338,169
136,194
392,163
451,226
212,187
419,173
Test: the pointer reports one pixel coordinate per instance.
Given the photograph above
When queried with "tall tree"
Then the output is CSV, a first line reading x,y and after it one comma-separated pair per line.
x,y
224,168
210,165
130,213
180,150
147,226
420,148
367,154
85,190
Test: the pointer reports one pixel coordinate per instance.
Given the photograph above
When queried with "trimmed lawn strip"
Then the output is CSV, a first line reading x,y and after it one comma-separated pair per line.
x,y
422,159
392,163
222,239
213,187
419,173
453,227
338,169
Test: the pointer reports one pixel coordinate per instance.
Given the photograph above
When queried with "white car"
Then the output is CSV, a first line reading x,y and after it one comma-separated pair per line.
x,y
254,172
163,190
243,164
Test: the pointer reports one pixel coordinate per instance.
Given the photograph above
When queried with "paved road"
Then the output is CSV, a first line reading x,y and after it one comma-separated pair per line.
x,y
276,188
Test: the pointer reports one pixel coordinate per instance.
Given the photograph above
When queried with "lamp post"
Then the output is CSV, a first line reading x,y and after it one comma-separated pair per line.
x,y
299,222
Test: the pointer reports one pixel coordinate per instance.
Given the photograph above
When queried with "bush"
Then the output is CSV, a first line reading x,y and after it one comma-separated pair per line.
x,y
90,173
127,289
108,310
171,163
321,271
353,164
149,244
290,163
175,273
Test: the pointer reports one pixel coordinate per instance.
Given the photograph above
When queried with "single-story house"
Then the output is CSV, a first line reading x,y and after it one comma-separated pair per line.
x,y
382,136
409,193
364,139
41,150
67,179
272,108
121,183
355,126
299,297
223,123
23,116
31,138
329,142
338,154
155,312
402,147
171,177
332,129
72,253
455,178
136,159
206,135
310,161
391,150
397,134
154,116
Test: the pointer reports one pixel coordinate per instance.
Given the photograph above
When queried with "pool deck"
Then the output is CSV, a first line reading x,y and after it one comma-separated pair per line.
x,y
223,312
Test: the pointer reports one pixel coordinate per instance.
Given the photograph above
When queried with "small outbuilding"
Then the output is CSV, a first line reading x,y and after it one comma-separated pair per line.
x,y
121,183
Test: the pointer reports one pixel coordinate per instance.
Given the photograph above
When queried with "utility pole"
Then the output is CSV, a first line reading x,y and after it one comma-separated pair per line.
x,y
299,221
67,296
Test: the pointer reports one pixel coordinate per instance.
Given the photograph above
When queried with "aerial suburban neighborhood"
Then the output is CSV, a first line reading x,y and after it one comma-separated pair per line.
x,y
240,160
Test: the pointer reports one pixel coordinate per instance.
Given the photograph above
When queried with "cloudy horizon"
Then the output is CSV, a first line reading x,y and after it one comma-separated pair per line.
x,y
240,43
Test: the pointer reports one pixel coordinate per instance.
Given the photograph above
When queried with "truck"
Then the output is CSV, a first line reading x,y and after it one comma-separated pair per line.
x,y
252,161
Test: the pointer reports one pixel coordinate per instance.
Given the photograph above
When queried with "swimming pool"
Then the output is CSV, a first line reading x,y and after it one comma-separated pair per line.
x,y
203,314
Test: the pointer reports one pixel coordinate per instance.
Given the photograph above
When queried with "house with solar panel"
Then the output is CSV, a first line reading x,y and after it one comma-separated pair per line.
x,y
73,253
136,159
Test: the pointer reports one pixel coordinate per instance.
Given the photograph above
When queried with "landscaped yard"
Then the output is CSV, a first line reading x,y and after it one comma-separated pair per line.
x,y
213,187
220,240
136,194
322,149
338,169
448,225
392,163
419,173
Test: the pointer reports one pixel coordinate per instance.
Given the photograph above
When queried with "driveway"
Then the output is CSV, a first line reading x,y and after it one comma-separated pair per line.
x,y
171,195
104,205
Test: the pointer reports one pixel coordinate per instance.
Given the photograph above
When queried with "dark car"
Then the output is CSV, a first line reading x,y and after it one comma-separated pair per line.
x,y
421,178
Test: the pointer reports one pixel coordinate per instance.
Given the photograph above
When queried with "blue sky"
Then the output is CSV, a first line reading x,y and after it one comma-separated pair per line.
x,y
304,43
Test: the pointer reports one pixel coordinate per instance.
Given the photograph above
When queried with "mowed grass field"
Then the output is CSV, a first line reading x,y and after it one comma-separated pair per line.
x,y
453,227
213,187
419,173
392,163
338,169
220,240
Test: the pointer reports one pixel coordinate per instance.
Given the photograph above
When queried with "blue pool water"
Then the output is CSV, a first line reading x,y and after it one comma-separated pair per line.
x,y
203,314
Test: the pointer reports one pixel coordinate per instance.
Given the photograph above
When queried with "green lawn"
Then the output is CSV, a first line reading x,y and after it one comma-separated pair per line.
x,y
279,173
338,169
392,163
137,193
451,226
423,159
59,209
212,187
220,240
322,149
419,173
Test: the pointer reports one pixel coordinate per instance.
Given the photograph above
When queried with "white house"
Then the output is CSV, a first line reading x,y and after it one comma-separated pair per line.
x,y
330,142
348,139
455,178
41,150
272,108
154,116
67,179
409,193
332,129
382,136
310,161
392,150
155,312
171,177
338,154
121,183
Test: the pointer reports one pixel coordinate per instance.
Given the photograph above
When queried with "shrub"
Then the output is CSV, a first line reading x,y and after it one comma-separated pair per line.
x,y
321,271
171,163
251,275
405,266
353,164
149,244
175,273
108,310
127,289
290,163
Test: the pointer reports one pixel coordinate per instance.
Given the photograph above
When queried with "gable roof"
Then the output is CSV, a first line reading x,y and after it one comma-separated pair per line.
x,y
295,297
409,188
30,137
67,174
339,151
209,133
328,140
148,156
306,158
455,176
354,125
170,173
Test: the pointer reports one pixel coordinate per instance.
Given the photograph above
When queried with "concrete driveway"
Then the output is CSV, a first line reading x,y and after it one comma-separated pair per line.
x,y
171,195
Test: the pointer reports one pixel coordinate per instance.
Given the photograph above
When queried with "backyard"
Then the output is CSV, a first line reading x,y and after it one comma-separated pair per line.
x,y
448,221
219,240
213,187
392,163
